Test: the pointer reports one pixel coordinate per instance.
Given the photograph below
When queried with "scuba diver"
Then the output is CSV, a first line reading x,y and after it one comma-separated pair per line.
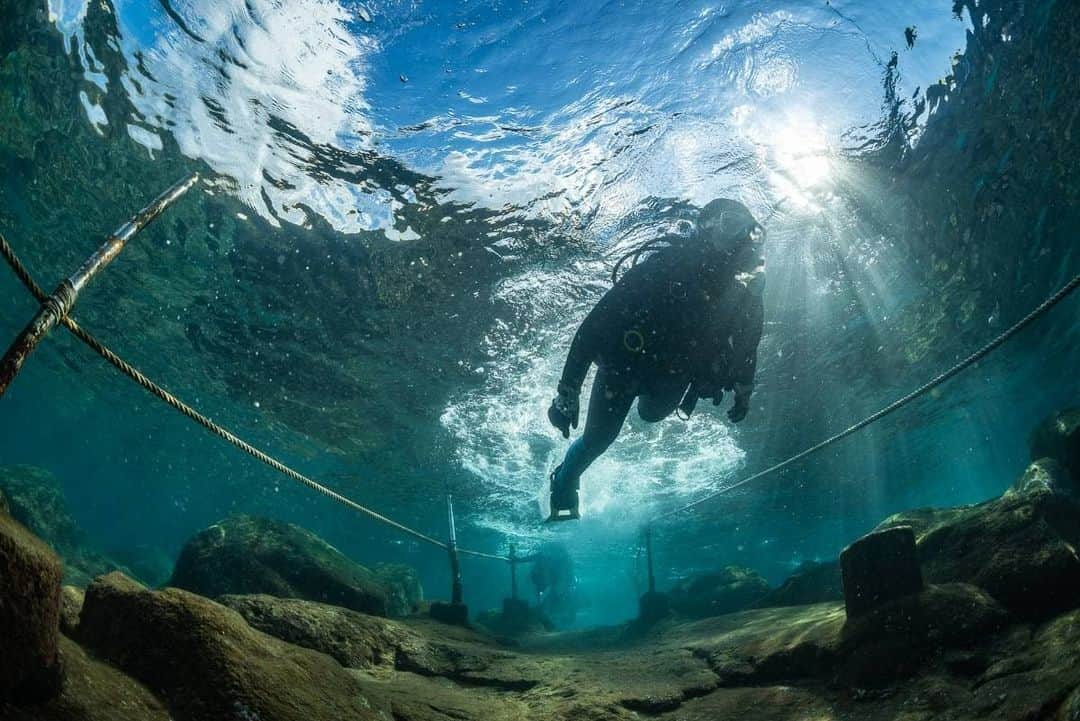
x,y
682,324
553,578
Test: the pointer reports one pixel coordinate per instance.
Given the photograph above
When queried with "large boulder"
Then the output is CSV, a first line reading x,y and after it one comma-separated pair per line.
x,y
1021,548
29,615
894,639
207,663
244,555
812,582
1058,437
718,592
35,499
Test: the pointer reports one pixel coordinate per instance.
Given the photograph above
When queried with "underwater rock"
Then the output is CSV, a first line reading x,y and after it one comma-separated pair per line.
x,y
812,582
725,591
1020,548
92,691
880,567
1045,475
403,587
1058,437
71,603
29,615
516,618
455,614
244,555
355,640
206,662
36,500
893,639
361,641
5,509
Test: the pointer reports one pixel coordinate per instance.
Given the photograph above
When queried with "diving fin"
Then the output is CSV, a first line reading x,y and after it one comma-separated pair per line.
x,y
564,501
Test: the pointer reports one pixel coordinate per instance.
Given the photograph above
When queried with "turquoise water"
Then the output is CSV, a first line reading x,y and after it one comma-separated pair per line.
x,y
406,209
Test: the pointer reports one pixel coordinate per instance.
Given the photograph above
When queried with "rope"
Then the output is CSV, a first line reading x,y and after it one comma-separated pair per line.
x,y
975,357
134,374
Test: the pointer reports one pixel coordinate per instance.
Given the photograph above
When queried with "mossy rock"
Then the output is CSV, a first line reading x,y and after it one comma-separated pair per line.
x,y
1020,548
206,662
35,499
727,590
29,615
244,555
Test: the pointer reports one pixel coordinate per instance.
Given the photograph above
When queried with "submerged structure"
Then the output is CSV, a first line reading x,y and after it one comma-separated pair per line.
x,y
310,478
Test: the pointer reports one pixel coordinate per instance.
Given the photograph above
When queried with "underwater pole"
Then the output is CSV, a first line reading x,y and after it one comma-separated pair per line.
x,y
456,593
513,572
649,558
57,306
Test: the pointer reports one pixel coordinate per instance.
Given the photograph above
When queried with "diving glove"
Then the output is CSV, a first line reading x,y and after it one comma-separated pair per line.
x,y
742,402
564,410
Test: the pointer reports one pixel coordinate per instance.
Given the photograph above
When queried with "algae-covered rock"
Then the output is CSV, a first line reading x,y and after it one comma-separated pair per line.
x,y
1021,548
243,555
811,582
71,603
1058,437
725,591
1045,475
29,615
356,640
36,500
206,662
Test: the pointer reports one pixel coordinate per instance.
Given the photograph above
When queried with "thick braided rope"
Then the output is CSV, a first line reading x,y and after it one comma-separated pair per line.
x,y
972,359
194,415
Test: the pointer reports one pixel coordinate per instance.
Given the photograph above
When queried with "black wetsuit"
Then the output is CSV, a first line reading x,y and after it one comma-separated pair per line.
x,y
681,320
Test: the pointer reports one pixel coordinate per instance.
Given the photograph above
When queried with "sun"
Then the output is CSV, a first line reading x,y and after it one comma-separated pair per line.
x,y
800,152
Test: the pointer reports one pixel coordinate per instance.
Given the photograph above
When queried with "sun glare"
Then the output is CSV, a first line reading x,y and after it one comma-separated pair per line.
x,y
800,152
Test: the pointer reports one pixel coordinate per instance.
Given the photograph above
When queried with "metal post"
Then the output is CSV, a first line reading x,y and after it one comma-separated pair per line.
x,y
456,594
59,304
649,558
513,572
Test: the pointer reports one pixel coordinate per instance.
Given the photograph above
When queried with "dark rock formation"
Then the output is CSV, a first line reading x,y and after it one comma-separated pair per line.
x,y
36,500
207,663
29,615
1020,548
355,640
710,594
893,639
516,618
810,583
244,555
1058,437
880,567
